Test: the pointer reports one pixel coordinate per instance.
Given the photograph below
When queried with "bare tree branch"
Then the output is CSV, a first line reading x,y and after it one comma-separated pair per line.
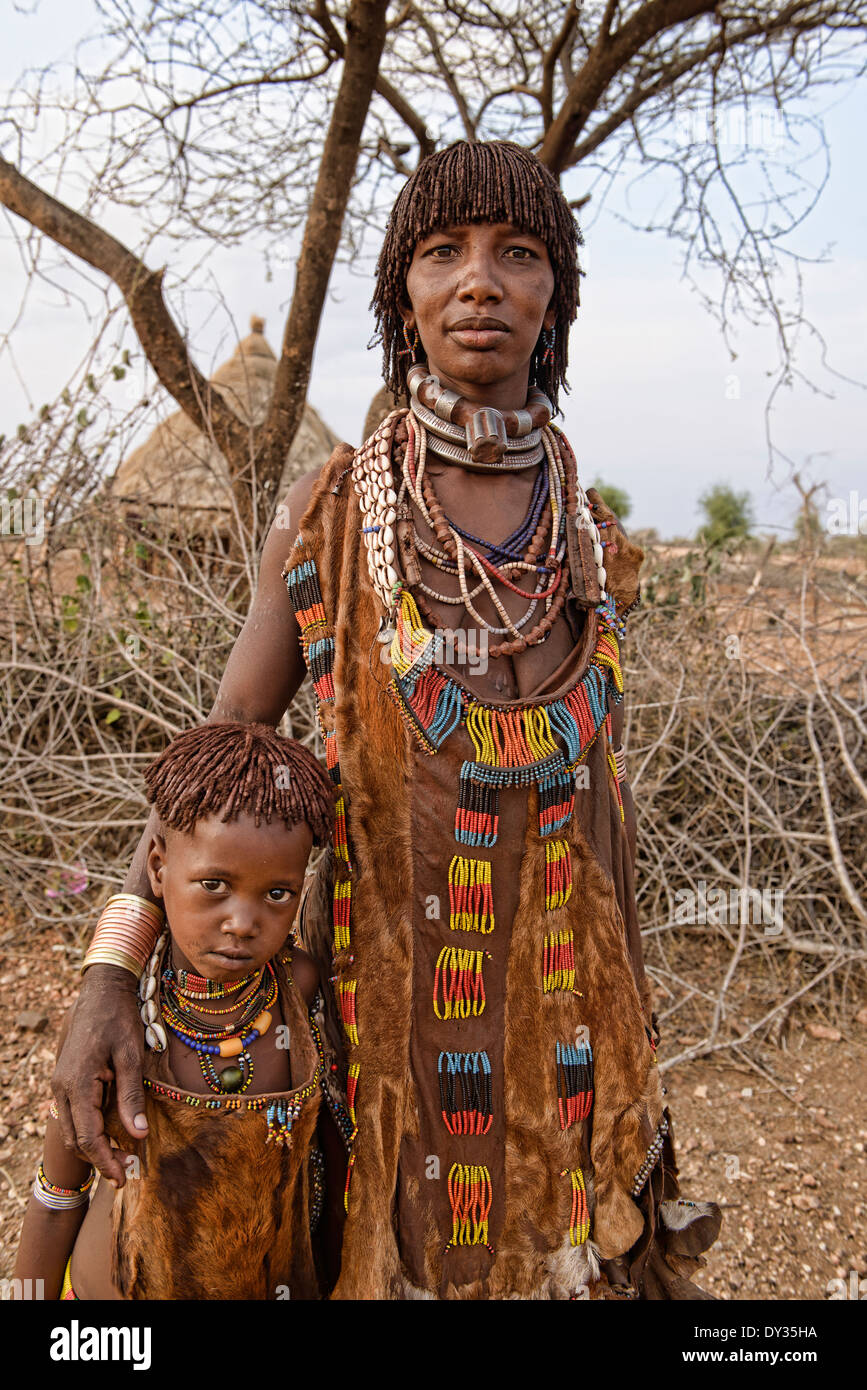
x,y
142,291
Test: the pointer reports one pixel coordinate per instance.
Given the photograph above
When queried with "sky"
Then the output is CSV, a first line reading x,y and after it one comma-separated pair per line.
x,y
657,406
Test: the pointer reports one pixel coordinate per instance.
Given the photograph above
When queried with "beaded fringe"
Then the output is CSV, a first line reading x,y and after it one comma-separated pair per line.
x,y
614,769
579,1221
470,895
346,995
558,962
558,874
470,1196
280,1116
459,977
574,1082
465,1092
352,1089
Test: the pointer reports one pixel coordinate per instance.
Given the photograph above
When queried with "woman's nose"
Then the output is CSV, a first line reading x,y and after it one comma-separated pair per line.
x,y
480,280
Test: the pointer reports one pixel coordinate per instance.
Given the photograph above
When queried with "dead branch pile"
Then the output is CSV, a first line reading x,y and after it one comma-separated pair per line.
x,y
746,739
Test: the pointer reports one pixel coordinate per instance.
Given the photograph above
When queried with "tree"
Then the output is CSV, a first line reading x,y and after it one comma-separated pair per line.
x,y
728,515
614,497
217,122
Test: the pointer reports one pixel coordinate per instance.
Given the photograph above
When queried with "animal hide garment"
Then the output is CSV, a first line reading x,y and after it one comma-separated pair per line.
x,y
216,1212
486,956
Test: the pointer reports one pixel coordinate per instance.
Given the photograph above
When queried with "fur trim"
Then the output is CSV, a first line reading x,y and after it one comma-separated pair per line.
x,y
679,1214
573,1267
412,1293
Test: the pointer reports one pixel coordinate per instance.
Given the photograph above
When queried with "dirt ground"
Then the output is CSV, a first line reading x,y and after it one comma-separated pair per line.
x,y
781,1144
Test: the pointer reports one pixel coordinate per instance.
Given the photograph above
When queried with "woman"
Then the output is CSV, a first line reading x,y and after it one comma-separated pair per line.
x,y
459,600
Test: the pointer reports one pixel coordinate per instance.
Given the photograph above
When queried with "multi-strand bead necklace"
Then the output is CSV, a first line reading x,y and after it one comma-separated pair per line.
x,y
182,996
389,471
521,554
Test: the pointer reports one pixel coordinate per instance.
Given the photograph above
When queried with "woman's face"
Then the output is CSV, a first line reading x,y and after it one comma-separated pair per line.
x,y
479,296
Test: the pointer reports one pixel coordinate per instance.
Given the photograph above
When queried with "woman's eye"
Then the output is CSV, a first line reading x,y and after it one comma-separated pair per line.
x,y
280,895
442,253
521,253
213,885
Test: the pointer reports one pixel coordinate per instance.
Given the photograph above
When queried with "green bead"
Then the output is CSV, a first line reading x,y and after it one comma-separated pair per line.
x,y
231,1078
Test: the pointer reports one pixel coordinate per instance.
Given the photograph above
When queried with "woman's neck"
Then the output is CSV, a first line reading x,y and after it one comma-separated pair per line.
x,y
510,394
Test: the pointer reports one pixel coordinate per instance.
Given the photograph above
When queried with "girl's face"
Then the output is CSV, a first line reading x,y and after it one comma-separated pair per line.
x,y
230,892
479,297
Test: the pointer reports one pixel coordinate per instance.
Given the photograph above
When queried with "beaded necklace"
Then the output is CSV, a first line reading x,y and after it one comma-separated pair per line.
x,y
510,548
231,1040
374,483
464,558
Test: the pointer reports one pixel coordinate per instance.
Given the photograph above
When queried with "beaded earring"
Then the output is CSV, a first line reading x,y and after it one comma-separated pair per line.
x,y
549,337
412,343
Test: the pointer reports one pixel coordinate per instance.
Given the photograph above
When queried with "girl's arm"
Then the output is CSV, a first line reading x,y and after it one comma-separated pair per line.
x,y
47,1236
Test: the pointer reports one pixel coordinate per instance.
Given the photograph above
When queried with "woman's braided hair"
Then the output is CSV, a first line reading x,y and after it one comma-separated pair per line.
x,y
489,181
233,769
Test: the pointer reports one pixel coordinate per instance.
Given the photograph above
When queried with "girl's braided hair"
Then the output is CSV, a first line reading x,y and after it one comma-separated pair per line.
x,y
231,769
488,181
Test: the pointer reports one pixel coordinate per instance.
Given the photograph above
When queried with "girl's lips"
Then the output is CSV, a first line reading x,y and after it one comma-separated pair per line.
x,y
479,337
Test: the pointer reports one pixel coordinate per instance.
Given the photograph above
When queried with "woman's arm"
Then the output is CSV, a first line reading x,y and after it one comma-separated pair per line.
x,y
105,1041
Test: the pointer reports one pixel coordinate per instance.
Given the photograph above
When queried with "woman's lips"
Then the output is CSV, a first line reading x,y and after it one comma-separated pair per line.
x,y
479,337
234,956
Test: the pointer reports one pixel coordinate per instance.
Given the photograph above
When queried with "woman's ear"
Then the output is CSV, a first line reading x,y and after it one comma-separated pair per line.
x,y
550,317
156,863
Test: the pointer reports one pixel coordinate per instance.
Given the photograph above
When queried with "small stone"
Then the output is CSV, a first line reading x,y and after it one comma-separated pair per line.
x,y
810,1180
700,1092
861,1017
821,1030
33,1019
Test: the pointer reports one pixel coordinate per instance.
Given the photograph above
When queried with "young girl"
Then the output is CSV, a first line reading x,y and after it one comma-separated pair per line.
x,y
223,1191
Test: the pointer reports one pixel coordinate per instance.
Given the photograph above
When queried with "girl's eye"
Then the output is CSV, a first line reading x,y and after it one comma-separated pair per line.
x,y
213,885
280,895
442,253
521,253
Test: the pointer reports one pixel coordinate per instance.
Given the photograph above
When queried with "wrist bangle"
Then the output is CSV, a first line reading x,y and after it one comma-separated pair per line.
x,y
125,933
61,1198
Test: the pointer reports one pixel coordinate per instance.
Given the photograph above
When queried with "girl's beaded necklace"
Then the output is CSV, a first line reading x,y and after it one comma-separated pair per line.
x,y
180,994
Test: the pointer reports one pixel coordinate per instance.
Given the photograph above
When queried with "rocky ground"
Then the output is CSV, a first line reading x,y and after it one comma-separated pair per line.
x,y
778,1139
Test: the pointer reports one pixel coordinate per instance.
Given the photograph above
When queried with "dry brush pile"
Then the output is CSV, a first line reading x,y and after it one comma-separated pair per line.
x,y
747,730
747,725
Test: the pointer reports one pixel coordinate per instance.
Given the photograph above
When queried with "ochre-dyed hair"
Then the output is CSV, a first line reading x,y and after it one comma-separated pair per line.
x,y
231,769
489,181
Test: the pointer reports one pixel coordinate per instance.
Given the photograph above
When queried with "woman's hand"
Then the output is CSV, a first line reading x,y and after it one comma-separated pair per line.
x,y
104,1043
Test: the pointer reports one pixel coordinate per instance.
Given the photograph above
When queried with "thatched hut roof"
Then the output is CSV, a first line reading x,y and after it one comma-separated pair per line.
x,y
178,466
